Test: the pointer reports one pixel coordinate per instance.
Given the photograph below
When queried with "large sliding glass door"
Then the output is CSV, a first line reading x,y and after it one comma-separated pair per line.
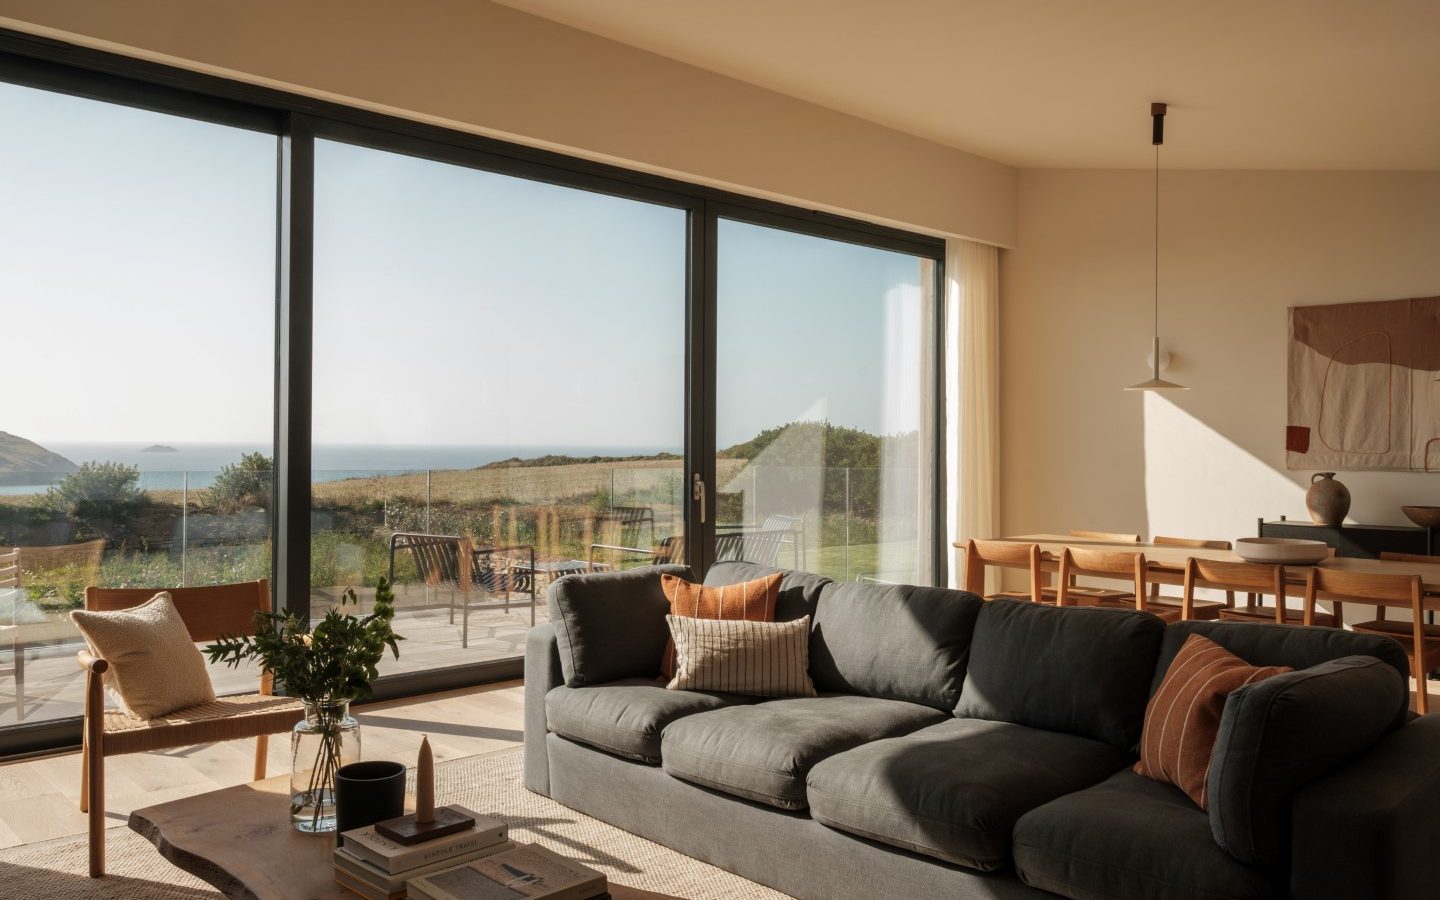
x,y
825,405
499,374
137,280
255,335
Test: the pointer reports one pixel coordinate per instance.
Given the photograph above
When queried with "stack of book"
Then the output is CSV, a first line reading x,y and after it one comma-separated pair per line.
x,y
528,870
375,867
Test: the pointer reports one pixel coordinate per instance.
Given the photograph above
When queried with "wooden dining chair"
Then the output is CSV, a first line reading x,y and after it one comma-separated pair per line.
x,y
1109,537
1205,610
1392,556
1421,641
1256,579
1106,563
980,555
1096,595
209,613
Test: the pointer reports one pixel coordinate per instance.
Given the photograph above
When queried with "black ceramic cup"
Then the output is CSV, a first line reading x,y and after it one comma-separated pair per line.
x,y
368,792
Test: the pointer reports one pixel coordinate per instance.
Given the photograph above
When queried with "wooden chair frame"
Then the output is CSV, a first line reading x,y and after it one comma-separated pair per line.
x,y
209,613
981,554
1079,561
10,583
1363,587
1252,578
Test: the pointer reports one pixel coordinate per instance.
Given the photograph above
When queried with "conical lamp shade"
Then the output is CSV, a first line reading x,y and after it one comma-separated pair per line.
x,y
1155,382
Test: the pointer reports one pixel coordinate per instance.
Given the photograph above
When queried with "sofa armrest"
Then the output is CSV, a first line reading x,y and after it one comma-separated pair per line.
x,y
542,673
1368,829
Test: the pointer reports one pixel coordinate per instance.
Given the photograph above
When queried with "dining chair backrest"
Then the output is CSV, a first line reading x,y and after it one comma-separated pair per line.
x,y
1192,543
1080,561
1252,578
209,612
1361,587
1109,536
1409,557
981,554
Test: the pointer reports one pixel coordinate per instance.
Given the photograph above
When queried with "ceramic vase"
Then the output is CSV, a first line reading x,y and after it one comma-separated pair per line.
x,y
1328,500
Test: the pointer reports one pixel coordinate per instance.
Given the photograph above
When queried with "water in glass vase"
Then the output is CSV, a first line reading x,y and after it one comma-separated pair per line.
x,y
326,739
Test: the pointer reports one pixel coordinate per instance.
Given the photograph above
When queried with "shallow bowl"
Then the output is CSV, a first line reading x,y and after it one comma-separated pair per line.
x,y
1285,551
1424,516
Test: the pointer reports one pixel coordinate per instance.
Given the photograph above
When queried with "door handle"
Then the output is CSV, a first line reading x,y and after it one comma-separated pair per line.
x,y
697,492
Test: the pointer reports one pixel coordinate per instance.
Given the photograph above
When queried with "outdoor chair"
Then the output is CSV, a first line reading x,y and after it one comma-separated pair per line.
x,y
453,563
209,613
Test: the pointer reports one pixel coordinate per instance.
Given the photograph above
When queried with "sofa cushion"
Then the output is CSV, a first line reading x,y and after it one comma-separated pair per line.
x,y
1083,671
626,717
799,591
1281,733
1299,648
611,625
1130,838
954,790
898,642
764,751
1182,719
752,601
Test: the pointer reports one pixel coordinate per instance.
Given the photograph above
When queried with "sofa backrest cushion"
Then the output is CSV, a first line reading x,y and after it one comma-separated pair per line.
x,y
1299,648
1078,670
1279,734
799,591
893,641
611,625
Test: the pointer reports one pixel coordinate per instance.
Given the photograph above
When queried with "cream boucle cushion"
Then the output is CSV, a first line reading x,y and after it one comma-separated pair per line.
x,y
154,666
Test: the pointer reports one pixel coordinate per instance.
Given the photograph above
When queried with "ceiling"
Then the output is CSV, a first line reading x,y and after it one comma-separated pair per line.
x,y
1252,84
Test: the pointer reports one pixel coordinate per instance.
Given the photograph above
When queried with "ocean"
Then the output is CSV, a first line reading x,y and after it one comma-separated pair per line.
x,y
196,465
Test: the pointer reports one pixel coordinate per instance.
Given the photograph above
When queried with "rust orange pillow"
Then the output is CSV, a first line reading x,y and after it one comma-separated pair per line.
x,y
1182,720
751,601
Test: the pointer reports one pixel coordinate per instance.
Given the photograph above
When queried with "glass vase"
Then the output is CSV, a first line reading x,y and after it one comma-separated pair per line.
x,y
326,739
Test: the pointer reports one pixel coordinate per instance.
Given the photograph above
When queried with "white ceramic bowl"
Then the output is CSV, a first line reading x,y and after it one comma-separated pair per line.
x,y
1284,551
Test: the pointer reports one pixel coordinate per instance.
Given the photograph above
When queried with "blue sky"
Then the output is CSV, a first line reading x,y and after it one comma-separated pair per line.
x,y
452,306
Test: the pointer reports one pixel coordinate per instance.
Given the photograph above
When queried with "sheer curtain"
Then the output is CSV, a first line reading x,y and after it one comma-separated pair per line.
x,y
972,395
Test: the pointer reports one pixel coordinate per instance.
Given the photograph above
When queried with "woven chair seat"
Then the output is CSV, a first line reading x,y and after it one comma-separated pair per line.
x,y
224,719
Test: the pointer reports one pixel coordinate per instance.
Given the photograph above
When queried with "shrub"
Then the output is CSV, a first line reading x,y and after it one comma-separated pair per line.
x,y
247,483
102,497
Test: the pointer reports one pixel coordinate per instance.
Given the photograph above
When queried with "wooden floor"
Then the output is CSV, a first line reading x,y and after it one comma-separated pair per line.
x,y
39,797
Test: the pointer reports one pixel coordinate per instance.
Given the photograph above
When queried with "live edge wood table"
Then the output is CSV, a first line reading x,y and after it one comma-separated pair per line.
x,y
240,840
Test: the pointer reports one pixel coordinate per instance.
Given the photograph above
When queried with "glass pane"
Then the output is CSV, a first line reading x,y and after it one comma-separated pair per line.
x,y
138,283
823,421
499,394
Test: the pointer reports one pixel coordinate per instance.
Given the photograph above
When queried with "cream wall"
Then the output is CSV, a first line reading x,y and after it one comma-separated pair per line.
x,y
489,69
1238,248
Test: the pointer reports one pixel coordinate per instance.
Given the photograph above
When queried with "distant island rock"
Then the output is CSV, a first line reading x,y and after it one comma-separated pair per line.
x,y
26,462
159,448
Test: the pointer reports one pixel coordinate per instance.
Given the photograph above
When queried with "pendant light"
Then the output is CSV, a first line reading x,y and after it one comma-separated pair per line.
x,y
1155,382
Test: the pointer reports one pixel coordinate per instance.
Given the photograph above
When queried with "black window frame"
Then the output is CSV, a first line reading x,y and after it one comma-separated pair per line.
x,y
297,121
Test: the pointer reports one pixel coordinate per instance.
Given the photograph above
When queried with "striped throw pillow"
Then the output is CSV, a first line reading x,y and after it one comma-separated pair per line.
x,y
752,600
759,659
1182,720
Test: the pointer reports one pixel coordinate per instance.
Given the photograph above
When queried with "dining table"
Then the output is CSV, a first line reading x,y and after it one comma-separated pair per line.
x,y
1165,563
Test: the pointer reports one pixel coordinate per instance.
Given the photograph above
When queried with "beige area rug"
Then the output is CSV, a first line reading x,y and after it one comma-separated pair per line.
x,y
490,782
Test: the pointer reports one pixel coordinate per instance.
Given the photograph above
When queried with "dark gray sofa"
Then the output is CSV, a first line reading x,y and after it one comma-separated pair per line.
x,y
960,748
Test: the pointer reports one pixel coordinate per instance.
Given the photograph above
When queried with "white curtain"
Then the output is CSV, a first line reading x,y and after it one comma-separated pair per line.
x,y
972,395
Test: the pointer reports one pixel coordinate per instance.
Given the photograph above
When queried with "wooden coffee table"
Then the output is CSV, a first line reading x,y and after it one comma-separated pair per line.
x,y
240,840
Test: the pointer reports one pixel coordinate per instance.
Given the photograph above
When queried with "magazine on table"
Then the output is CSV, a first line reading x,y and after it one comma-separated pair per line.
x,y
529,872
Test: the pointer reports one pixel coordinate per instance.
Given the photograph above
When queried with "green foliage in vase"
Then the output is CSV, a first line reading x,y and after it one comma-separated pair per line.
x,y
335,660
